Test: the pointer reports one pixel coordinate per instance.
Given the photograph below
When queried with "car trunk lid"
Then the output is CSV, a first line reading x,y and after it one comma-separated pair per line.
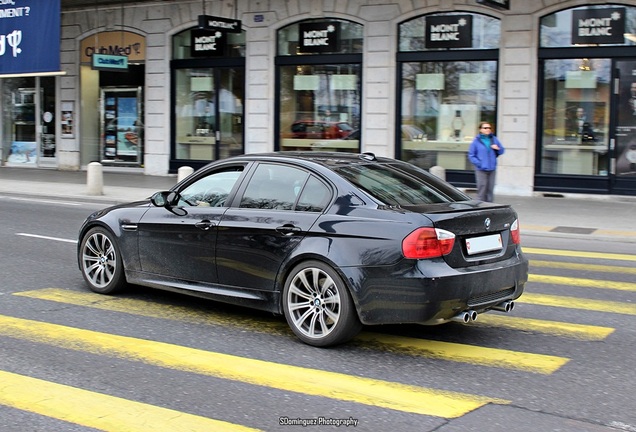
x,y
482,231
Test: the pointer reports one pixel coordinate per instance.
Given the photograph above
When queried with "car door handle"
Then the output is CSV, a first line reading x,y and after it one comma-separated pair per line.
x,y
204,224
288,229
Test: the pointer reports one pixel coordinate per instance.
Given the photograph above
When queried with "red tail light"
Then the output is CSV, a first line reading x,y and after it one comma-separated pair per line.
x,y
428,243
514,232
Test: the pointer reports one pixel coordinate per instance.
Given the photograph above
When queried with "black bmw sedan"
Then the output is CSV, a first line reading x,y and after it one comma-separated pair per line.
x,y
333,241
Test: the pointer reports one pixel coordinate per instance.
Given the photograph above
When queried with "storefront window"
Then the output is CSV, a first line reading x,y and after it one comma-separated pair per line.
x,y
208,94
320,107
587,68
319,75
575,116
442,105
28,120
442,98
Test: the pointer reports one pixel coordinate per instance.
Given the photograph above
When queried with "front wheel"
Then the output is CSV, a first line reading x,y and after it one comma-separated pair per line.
x,y
318,306
100,261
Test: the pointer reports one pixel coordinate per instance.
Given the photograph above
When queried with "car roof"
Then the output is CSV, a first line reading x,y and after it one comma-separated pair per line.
x,y
327,159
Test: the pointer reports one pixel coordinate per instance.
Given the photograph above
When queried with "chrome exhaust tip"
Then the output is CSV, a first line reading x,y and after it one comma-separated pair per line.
x,y
465,317
506,306
462,317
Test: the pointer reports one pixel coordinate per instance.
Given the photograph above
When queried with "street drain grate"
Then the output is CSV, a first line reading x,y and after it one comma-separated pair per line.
x,y
573,230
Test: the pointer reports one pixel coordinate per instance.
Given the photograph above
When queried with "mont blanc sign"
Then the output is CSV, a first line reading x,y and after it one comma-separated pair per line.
x,y
449,31
318,37
598,26
207,43
226,25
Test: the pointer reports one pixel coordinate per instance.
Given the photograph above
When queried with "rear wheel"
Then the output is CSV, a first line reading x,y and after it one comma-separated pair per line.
x,y
318,306
100,261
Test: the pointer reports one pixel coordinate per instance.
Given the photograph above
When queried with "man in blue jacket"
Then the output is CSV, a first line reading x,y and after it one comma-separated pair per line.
x,y
483,153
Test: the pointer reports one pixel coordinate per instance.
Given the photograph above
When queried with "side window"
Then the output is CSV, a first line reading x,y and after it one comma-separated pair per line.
x,y
274,187
211,190
314,197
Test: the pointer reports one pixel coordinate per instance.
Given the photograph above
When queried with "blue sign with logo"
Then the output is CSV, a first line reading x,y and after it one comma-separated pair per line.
x,y
110,62
29,36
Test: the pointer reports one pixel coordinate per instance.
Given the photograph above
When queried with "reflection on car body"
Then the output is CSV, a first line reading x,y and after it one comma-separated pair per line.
x,y
331,241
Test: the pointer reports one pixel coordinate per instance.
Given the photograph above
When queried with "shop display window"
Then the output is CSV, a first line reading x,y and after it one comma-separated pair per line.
x,y
575,116
319,76
443,99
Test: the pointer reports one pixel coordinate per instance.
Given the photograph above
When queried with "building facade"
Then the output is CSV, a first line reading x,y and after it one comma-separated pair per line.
x,y
155,85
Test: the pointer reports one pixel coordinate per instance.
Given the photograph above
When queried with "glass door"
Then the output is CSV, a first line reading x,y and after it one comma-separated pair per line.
x,y
624,140
122,130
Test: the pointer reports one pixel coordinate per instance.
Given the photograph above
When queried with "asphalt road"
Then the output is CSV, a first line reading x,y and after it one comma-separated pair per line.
x,y
71,360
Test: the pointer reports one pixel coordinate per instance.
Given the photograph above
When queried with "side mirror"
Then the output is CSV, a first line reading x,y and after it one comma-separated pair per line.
x,y
160,199
168,200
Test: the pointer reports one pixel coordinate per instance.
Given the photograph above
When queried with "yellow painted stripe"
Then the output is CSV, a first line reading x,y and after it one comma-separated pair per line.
x,y
264,323
99,411
583,267
578,303
424,348
553,328
580,254
314,382
583,283
537,363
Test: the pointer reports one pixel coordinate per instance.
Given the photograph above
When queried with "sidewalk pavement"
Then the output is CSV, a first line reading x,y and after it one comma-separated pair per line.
x,y
602,217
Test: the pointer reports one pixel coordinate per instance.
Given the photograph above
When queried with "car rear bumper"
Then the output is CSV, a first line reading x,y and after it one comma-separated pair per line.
x,y
430,292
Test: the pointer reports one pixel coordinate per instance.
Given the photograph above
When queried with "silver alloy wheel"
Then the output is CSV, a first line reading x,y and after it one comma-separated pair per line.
x,y
99,260
313,302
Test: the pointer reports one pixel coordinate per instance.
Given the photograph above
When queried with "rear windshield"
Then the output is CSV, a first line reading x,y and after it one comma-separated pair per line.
x,y
399,184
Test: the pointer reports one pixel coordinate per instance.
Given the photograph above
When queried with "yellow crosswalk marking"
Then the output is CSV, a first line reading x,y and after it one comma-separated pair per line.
x,y
432,349
554,328
583,283
537,363
99,411
264,324
391,395
578,303
580,254
583,267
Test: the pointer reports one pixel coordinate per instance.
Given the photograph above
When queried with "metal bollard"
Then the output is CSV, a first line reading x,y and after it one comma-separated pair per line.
x,y
438,171
94,179
183,172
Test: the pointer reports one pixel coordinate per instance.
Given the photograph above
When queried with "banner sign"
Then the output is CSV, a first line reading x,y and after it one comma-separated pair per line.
x,y
29,36
318,37
449,31
217,23
598,26
206,43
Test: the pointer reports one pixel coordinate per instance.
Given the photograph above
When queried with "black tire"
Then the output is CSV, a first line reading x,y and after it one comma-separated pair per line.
x,y
100,261
318,306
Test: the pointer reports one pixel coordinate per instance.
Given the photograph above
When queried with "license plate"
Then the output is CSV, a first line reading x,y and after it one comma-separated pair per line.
x,y
489,243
